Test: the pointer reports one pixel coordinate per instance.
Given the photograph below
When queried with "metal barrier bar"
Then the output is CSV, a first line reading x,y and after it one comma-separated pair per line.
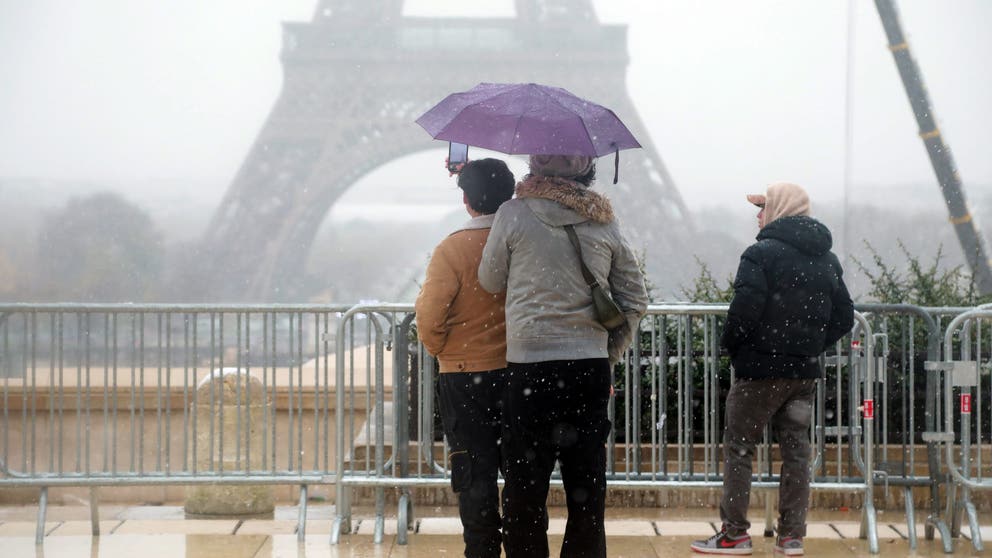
x,y
91,396
376,336
963,374
928,319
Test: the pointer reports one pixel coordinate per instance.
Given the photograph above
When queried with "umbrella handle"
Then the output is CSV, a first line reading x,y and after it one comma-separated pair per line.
x,y
616,166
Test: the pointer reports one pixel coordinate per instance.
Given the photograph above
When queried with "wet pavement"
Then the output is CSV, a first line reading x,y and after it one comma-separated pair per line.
x,y
162,531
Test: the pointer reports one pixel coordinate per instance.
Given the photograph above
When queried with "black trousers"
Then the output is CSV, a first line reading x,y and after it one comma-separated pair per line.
x,y
555,410
471,404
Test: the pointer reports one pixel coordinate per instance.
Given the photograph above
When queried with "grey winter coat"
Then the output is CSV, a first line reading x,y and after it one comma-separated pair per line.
x,y
549,309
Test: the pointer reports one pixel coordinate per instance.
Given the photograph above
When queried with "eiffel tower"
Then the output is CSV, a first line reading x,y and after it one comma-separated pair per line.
x,y
354,80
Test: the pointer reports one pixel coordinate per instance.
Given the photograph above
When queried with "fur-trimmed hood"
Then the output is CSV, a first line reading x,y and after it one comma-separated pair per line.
x,y
569,195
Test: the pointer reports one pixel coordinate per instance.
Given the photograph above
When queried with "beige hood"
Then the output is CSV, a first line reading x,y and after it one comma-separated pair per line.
x,y
782,199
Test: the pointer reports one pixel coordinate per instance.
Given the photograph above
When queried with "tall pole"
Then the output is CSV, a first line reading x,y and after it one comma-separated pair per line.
x,y
972,242
848,127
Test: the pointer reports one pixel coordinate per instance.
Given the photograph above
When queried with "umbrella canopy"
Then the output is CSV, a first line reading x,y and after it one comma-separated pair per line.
x,y
527,118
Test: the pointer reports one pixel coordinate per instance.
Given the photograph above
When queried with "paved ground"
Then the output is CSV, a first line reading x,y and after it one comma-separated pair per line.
x,y
162,531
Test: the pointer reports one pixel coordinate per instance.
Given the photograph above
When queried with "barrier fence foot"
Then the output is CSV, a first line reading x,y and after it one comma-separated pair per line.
x,y
769,521
956,520
336,530
39,534
976,533
869,525
940,525
402,518
910,517
954,509
301,522
342,513
380,527
94,512
380,515
411,512
934,516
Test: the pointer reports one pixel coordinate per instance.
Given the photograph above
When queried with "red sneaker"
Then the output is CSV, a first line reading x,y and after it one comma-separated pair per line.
x,y
724,543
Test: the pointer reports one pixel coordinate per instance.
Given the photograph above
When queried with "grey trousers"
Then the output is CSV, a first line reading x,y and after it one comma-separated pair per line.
x,y
752,404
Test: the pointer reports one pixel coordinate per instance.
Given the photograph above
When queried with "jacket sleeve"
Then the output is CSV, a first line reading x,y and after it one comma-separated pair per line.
x,y
495,265
841,313
748,304
628,291
627,284
434,301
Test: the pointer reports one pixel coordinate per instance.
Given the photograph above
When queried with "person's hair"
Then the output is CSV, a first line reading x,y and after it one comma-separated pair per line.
x,y
487,183
588,178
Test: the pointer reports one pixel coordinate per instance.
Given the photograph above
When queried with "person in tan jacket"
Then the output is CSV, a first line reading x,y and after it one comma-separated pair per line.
x,y
464,326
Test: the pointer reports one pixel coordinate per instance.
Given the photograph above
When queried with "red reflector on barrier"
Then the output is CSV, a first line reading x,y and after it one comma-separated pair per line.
x,y
965,403
869,409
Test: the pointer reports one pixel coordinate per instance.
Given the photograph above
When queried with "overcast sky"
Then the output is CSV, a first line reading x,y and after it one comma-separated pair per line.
x,y
736,94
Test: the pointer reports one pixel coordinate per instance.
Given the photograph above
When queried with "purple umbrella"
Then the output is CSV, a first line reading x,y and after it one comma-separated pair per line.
x,y
527,118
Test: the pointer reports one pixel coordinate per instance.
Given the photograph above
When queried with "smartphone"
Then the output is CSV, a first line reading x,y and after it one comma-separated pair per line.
x,y
457,155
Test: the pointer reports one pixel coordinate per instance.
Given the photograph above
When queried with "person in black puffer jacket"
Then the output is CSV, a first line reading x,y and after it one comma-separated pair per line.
x,y
790,304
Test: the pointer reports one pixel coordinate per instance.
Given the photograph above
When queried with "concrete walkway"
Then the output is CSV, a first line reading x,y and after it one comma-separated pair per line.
x,y
162,531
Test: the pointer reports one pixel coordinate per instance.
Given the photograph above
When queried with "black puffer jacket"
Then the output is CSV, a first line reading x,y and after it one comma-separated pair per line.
x,y
790,302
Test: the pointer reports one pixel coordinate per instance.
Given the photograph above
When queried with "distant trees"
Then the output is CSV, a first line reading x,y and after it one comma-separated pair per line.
x,y
99,247
922,284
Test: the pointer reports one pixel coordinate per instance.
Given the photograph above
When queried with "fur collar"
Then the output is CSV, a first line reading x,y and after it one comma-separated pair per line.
x,y
569,193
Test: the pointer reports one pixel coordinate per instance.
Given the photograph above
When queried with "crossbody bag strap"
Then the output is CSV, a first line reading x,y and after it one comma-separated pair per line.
x,y
574,239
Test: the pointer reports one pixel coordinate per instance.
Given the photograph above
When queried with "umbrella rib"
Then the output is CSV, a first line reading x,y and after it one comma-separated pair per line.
x,y
582,120
520,119
595,152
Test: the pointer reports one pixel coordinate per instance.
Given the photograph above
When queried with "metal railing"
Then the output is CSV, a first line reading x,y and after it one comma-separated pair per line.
x,y
121,395
675,368
964,377
901,367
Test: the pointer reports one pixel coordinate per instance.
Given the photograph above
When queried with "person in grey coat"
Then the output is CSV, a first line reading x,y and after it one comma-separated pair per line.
x,y
558,355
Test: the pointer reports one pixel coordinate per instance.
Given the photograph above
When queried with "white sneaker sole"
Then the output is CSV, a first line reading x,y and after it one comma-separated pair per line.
x,y
723,551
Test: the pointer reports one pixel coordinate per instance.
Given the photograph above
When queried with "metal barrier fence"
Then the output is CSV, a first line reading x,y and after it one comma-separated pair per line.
x,y
675,369
119,395
900,329
110,395
966,377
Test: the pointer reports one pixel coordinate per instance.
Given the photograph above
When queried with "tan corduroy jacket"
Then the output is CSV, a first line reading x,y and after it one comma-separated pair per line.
x,y
458,321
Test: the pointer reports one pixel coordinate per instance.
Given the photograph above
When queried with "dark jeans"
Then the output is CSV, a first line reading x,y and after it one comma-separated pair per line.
x,y
471,404
751,404
555,410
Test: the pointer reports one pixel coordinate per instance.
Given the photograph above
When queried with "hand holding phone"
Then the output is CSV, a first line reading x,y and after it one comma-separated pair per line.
x,y
457,157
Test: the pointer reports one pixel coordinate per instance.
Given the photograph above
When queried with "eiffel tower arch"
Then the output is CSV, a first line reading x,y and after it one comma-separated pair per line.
x,y
354,80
